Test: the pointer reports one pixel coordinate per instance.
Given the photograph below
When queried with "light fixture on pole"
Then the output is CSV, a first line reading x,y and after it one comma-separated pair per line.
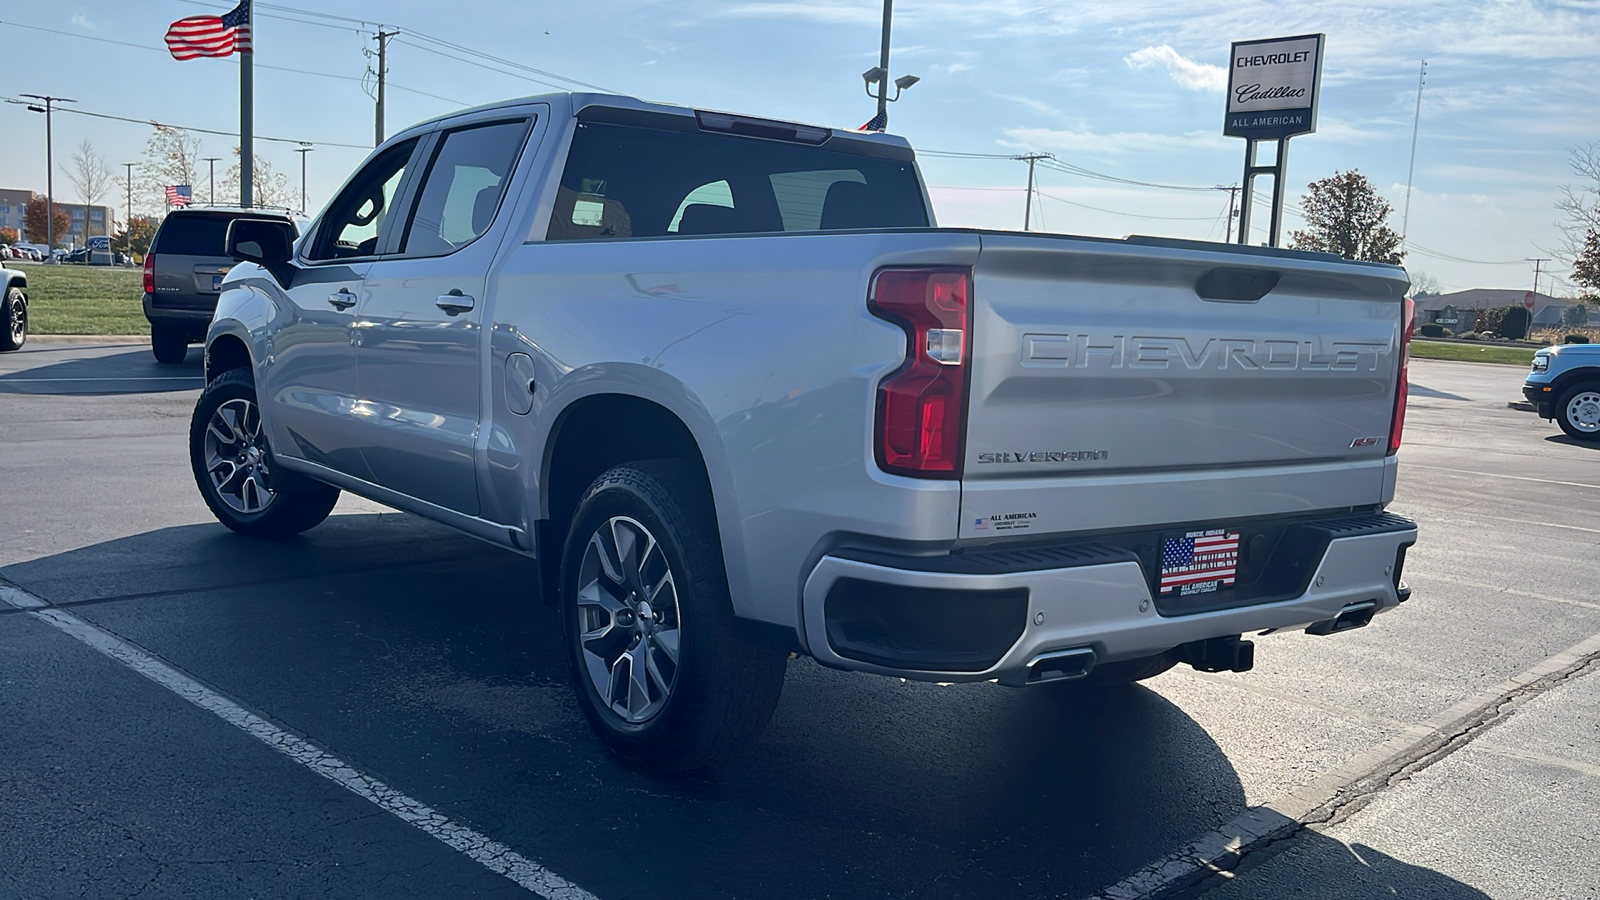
x,y
303,149
49,173
213,179
879,75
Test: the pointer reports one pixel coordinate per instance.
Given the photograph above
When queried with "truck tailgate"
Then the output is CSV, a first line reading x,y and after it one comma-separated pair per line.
x,y
1108,392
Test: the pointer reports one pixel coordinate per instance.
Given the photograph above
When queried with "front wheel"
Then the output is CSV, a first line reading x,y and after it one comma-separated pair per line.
x,y
1578,413
236,473
13,319
665,674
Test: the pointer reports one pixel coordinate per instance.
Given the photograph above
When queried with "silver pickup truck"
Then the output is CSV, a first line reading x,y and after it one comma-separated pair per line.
x,y
724,378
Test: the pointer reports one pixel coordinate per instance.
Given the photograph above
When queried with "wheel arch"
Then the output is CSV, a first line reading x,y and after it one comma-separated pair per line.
x,y
226,352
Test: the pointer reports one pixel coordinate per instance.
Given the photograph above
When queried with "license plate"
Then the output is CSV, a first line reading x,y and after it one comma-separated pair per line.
x,y
216,282
1199,562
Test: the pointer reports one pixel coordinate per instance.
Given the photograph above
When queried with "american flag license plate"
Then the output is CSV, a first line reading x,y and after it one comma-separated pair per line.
x,y
1199,562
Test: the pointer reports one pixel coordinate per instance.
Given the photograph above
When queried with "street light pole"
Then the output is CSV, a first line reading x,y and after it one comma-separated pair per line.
x,y
129,167
49,174
212,178
303,151
883,68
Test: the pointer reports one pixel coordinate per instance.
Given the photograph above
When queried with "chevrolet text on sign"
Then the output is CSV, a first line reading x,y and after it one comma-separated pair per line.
x,y
1272,87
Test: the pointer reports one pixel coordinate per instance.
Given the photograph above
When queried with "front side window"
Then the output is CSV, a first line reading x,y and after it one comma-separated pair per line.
x,y
637,181
462,187
358,219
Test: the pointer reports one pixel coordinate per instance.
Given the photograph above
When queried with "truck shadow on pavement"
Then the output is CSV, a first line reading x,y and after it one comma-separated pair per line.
x,y
427,659
131,372
1573,442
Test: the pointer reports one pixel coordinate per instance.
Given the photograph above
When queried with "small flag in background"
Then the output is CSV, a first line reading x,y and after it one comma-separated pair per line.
x,y
179,195
211,35
877,123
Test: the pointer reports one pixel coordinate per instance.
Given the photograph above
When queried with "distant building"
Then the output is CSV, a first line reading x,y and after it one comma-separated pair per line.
x,y
14,209
1547,310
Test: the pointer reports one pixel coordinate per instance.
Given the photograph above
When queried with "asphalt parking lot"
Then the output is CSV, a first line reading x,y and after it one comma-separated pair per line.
x,y
1452,749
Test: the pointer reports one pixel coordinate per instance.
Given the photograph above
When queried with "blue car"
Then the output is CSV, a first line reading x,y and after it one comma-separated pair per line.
x,y
1565,385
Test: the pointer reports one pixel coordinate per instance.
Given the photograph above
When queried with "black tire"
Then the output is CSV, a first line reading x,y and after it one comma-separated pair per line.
x,y
270,503
170,344
725,681
1578,412
13,319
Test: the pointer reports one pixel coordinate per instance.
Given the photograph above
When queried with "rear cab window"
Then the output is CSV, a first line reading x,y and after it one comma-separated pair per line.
x,y
635,178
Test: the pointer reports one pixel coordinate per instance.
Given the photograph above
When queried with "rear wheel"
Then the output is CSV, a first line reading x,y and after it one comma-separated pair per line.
x,y
13,319
170,344
1578,413
666,675
235,471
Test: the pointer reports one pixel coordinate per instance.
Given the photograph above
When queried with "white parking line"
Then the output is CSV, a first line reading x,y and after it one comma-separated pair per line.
x,y
492,855
1466,474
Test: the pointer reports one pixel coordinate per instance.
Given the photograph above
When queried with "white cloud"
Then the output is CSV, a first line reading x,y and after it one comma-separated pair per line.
x,y
80,19
1188,73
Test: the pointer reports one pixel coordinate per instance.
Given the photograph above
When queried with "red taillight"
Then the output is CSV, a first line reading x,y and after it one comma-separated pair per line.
x,y
921,407
1402,388
149,273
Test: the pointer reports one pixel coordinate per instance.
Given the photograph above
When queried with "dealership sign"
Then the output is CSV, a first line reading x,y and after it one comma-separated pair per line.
x,y
1273,86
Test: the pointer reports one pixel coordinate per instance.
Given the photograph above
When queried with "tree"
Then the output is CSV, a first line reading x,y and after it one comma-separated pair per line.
x,y
1345,215
1581,203
1586,266
1424,285
171,156
267,186
34,221
92,176
8,235
1576,315
136,238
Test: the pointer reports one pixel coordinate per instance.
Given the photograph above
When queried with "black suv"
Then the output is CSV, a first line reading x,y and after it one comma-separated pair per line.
x,y
183,274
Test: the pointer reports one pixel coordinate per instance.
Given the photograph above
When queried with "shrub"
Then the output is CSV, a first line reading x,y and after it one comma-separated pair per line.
x,y
1514,323
1575,339
1432,329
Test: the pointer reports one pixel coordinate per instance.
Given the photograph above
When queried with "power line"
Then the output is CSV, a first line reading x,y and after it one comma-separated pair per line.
x,y
156,124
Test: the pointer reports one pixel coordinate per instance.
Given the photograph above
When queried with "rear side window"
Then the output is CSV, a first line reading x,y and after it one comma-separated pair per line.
x,y
190,235
634,181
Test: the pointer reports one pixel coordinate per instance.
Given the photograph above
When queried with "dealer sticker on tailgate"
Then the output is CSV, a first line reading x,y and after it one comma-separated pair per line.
x,y
1199,562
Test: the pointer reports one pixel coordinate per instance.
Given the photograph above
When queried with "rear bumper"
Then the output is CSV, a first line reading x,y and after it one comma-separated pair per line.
x,y
1072,597
198,318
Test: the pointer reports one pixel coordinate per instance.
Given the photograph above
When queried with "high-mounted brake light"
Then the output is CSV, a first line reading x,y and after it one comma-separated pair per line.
x,y
1402,388
922,405
149,273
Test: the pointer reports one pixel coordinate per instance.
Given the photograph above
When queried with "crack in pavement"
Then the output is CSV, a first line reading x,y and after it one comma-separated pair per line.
x,y
1260,832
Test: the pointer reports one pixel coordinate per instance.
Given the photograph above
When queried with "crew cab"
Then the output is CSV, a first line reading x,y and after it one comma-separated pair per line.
x,y
1564,385
739,395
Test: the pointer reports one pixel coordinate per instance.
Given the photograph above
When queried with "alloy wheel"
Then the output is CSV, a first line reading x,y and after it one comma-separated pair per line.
x,y
628,619
237,458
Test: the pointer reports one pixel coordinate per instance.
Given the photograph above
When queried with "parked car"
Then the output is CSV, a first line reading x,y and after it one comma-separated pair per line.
x,y
13,309
1564,385
183,272
730,386
5,251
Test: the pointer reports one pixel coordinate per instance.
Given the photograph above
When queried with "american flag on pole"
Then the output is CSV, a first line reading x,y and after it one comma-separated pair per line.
x,y
1199,558
877,123
179,195
211,35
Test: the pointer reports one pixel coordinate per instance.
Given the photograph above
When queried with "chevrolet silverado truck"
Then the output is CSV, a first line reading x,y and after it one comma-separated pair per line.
x,y
1564,385
725,379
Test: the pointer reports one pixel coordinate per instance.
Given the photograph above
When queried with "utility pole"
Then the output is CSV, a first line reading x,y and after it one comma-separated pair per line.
x,y
129,167
213,178
883,66
303,151
1416,122
49,173
1027,209
383,71
1233,196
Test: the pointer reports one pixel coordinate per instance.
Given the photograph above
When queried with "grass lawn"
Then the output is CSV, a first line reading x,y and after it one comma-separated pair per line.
x,y
85,300
1508,356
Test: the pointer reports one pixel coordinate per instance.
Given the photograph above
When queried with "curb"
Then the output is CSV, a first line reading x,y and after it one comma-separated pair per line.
x,y
89,338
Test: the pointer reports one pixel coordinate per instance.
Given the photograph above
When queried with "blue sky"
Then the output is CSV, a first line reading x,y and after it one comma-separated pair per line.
x,y
1130,89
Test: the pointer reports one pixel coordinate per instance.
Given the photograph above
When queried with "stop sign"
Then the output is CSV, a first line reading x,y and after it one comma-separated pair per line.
x,y
1527,300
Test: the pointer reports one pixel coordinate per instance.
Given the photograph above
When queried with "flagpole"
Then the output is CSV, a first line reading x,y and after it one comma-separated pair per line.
x,y
247,125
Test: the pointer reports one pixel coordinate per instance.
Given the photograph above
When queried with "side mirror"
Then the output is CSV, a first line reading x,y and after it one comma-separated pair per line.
x,y
267,242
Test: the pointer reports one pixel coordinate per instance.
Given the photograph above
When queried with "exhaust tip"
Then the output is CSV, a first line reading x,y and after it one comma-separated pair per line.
x,y
1351,617
1060,665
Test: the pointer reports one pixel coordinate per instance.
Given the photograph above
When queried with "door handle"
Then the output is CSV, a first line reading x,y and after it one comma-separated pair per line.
x,y
342,300
454,303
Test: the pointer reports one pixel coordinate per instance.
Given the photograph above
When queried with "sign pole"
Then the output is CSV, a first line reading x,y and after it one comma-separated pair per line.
x,y
247,118
1280,165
